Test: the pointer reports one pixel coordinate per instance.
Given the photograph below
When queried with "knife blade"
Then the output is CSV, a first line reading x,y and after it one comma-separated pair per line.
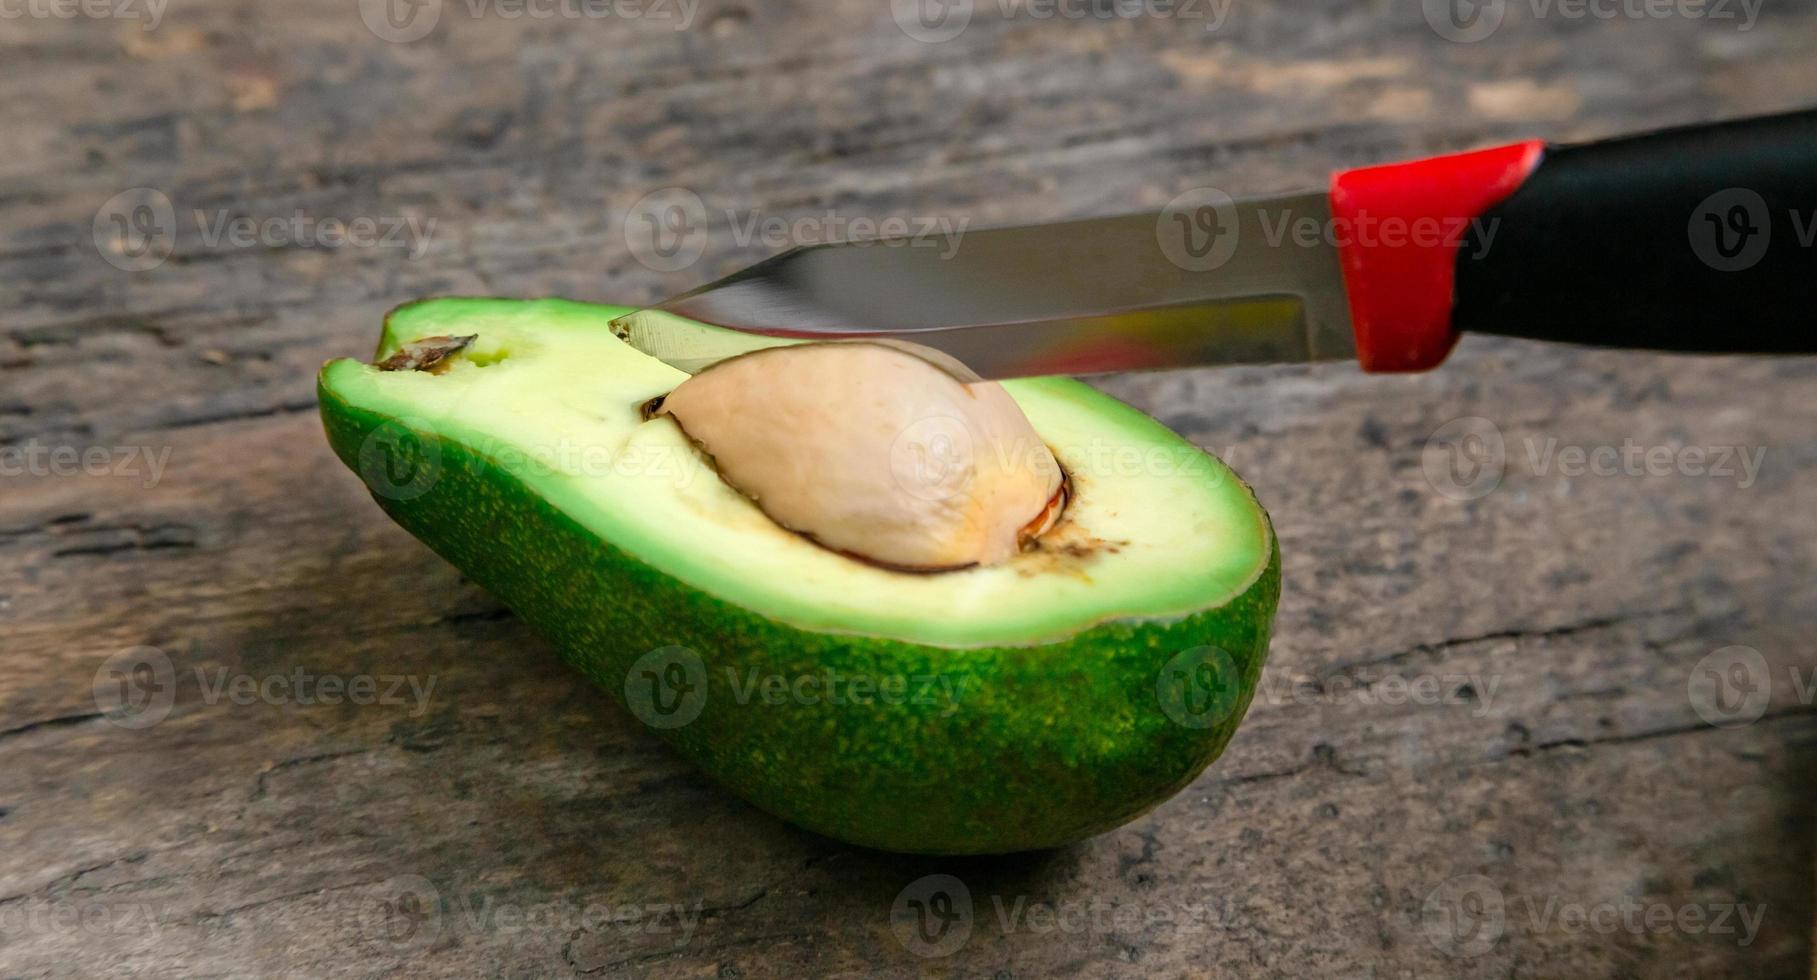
x,y
1216,283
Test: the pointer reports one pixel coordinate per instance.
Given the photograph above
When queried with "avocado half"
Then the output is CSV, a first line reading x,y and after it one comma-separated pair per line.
x,y
1018,706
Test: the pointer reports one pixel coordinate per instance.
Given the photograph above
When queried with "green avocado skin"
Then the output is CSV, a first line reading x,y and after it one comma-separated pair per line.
x,y
954,751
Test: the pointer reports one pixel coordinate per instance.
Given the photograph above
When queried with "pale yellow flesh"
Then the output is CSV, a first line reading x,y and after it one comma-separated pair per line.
x,y
873,449
1155,529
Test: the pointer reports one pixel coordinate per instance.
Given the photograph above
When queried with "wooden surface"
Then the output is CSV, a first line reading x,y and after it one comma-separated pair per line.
x,y
527,827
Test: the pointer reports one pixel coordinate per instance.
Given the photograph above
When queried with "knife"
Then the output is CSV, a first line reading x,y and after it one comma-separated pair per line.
x,y
1695,239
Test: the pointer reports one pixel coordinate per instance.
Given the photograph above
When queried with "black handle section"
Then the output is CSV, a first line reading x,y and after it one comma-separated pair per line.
x,y
1694,239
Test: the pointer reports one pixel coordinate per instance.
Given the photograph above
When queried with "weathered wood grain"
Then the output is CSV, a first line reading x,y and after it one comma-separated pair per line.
x,y
263,839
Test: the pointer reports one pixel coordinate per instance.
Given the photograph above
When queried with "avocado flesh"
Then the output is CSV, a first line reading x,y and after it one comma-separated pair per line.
x,y
985,710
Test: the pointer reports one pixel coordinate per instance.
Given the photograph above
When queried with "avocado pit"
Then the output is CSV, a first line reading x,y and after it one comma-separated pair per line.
x,y
887,452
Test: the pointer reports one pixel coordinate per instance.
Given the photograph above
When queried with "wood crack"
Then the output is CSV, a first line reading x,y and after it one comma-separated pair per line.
x,y
118,538
62,721
1629,738
65,880
1515,634
1324,757
232,911
202,419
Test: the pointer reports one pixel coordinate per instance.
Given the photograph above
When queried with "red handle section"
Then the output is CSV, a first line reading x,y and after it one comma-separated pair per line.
x,y
1400,227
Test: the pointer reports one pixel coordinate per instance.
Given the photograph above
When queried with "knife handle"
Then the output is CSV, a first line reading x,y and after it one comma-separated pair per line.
x,y
1698,239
